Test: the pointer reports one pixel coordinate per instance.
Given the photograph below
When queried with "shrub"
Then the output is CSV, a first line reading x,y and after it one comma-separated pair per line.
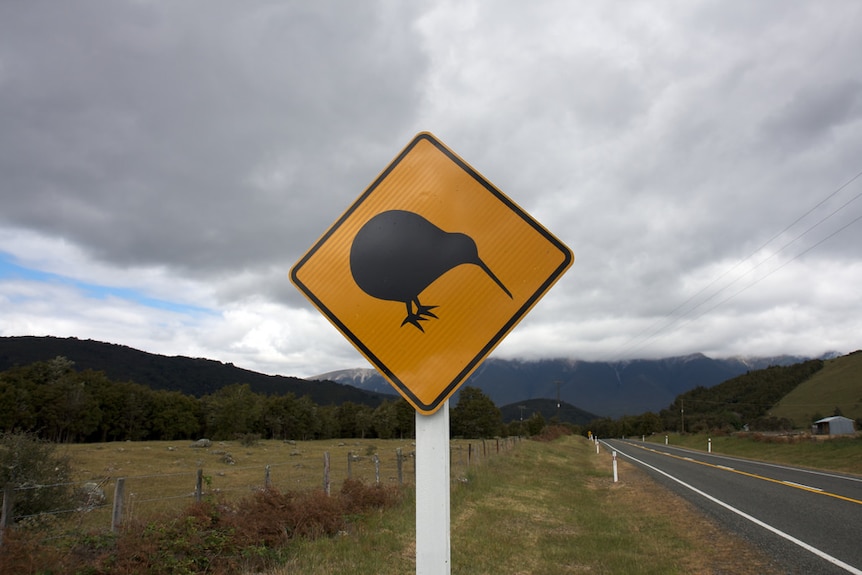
x,y
357,496
248,439
212,537
552,432
41,478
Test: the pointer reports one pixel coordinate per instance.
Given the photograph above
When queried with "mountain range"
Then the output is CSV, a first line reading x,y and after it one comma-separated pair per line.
x,y
610,389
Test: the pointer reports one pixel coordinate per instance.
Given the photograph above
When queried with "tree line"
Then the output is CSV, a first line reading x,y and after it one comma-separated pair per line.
x,y
742,402
59,403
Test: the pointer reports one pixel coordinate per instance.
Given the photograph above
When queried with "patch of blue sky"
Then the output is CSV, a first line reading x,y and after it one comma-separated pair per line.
x,y
9,269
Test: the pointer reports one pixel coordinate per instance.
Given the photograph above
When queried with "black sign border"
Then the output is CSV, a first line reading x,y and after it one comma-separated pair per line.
x,y
452,386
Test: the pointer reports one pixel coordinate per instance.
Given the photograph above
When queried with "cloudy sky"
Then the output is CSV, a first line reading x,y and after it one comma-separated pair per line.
x,y
163,165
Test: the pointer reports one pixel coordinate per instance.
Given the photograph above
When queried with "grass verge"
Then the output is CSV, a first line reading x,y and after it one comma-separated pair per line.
x,y
540,508
834,454
545,508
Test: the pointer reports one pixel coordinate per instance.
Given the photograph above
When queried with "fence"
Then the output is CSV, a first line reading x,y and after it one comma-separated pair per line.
x,y
110,501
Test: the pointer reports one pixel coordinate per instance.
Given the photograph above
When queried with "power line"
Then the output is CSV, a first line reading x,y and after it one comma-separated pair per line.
x,y
794,258
655,329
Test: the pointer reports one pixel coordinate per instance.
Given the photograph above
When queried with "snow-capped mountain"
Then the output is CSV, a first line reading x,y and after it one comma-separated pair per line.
x,y
609,389
363,378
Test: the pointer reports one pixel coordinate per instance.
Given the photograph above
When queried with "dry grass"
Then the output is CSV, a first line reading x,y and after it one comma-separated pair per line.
x,y
161,476
216,537
541,508
546,508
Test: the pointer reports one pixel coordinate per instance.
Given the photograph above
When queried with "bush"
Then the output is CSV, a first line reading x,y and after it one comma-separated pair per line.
x,y
210,537
552,432
40,477
248,439
356,496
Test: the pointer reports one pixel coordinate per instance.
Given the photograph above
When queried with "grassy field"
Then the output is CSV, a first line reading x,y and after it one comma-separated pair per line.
x,y
840,380
160,476
531,508
838,454
544,508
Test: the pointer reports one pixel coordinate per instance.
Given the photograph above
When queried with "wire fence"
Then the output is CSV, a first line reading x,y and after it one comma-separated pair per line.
x,y
110,502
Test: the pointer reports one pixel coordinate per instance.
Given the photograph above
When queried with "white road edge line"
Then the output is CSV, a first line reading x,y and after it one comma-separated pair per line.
x,y
792,539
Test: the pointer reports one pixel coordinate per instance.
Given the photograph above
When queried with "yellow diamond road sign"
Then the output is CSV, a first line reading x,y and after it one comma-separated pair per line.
x,y
428,270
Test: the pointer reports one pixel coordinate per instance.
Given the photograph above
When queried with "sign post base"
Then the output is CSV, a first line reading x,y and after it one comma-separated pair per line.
x,y
432,493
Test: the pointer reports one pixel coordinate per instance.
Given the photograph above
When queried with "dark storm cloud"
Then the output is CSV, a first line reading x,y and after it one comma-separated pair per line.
x,y
815,111
193,134
691,153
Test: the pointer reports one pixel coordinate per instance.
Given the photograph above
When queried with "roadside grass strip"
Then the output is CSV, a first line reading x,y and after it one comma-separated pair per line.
x,y
782,534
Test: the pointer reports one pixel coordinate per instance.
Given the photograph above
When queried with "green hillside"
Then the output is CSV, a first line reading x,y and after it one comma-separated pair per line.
x,y
838,384
191,376
745,400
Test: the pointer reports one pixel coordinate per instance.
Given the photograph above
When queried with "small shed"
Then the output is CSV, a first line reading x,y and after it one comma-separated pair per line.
x,y
835,425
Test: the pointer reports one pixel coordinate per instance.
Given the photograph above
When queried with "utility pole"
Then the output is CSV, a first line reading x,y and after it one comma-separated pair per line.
x,y
682,415
559,383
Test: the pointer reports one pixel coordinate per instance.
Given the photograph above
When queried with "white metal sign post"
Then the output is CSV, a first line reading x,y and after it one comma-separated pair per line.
x,y
432,493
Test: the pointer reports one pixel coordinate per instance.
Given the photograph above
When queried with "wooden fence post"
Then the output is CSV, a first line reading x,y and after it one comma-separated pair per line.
x,y
267,479
400,471
6,513
376,460
199,485
326,485
117,513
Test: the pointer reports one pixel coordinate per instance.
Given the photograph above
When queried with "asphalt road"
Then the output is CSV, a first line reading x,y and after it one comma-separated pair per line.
x,y
809,521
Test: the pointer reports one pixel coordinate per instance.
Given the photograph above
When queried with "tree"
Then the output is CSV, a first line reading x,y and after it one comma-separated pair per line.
x,y
346,417
327,418
233,409
175,416
17,410
364,420
67,408
535,424
126,408
307,422
475,416
279,416
386,420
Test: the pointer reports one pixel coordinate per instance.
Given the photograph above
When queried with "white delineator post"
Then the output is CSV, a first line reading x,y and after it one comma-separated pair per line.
x,y
616,475
432,493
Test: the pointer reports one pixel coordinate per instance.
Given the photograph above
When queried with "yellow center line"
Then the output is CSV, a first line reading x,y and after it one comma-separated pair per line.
x,y
754,475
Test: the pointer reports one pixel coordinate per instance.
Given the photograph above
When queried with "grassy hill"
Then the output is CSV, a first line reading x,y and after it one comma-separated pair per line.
x,y
838,384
